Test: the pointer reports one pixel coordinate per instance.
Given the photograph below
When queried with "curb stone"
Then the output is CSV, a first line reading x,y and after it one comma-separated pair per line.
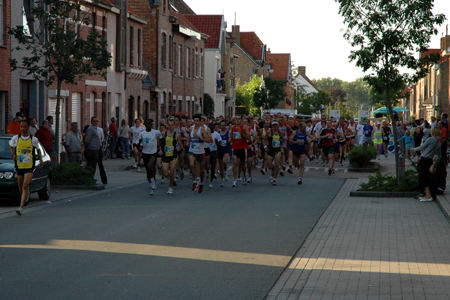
x,y
383,194
444,205
96,187
375,166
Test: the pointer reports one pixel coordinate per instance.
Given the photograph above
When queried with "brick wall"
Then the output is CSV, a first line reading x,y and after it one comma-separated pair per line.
x,y
444,88
5,69
245,66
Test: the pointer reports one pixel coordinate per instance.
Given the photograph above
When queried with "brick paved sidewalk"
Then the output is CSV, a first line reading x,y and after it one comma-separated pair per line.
x,y
371,248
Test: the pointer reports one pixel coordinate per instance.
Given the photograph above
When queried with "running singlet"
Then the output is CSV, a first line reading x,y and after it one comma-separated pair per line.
x,y
225,143
196,145
377,137
24,153
353,129
275,141
205,144
180,132
340,129
327,142
299,137
168,144
239,142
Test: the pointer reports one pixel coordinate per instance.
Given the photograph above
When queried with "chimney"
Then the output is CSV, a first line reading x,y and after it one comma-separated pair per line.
x,y
301,70
235,30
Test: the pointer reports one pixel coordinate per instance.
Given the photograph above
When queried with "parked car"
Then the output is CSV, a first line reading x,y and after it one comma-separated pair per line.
x,y
9,188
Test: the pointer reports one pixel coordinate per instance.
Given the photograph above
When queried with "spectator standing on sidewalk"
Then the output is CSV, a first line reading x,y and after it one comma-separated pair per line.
x,y
14,126
124,139
50,127
33,127
72,143
93,144
114,136
443,140
44,136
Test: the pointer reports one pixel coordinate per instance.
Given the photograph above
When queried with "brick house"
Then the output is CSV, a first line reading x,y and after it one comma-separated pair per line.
x,y
219,54
250,53
26,93
430,96
172,46
279,65
5,69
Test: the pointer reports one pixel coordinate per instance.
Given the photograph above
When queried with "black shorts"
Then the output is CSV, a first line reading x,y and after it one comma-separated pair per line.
x,y
241,154
198,157
207,152
168,159
221,155
342,143
353,137
138,147
273,152
146,157
386,141
21,172
298,154
180,152
213,154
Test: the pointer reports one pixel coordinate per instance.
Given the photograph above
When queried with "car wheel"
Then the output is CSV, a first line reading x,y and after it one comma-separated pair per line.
x,y
44,194
19,200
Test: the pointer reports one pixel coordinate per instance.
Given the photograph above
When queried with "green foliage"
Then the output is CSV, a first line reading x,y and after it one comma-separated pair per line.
x,y
358,157
325,84
271,94
313,103
208,105
385,36
72,174
389,183
245,93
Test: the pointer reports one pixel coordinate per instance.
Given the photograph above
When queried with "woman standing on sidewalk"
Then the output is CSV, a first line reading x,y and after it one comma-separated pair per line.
x,y
426,166
124,140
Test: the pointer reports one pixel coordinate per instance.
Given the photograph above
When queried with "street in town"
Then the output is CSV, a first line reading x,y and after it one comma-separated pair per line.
x,y
252,242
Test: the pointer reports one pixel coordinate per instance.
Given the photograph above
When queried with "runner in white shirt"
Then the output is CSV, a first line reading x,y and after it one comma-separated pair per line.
x,y
359,134
150,145
134,137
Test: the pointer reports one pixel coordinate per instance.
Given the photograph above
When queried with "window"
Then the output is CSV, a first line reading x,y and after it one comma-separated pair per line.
x,y
164,7
139,46
94,21
187,63
175,59
163,50
170,52
131,45
179,60
200,64
1,22
26,18
104,27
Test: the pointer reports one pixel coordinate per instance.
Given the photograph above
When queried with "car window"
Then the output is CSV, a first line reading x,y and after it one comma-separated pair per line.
x,y
45,157
4,149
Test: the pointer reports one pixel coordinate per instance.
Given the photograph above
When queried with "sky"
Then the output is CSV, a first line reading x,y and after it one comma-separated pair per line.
x,y
312,31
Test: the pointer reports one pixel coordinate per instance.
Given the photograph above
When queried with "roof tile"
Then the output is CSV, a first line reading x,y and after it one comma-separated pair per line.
x,y
280,64
210,25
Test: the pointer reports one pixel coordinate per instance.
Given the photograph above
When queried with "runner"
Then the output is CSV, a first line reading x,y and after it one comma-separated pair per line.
x,y
378,139
171,145
224,151
273,142
181,131
263,151
198,136
149,139
251,150
22,148
162,129
310,141
239,136
341,128
134,137
203,122
327,135
368,133
299,139
213,146
352,127
386,133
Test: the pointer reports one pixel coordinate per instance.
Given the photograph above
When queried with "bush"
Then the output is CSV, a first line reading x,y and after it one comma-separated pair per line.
x,y
72,174
358,157
389,183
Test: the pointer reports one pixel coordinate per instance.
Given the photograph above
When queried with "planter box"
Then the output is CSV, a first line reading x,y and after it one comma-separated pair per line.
x,y
383,194
96,187
371,167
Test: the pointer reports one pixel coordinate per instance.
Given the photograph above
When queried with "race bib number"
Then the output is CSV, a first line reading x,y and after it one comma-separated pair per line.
x,y
224,143
195,146
236,135
302,142
366,132
169,150
25,158
276,144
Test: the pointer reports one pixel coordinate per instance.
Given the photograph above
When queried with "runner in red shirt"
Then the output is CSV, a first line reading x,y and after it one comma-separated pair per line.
x,y
239,136
327,137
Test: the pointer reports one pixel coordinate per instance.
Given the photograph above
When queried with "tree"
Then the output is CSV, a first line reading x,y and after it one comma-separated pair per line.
x,y
270,94
385,34
313,103
397,93
68,51
358,96
208,105
338,95
325,84
245,93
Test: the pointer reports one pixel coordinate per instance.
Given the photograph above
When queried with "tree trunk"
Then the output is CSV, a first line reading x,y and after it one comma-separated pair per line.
x,y
58,120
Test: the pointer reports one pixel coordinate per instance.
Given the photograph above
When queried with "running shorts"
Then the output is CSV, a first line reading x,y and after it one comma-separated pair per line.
x,y
328,150
241,154
298,154
198,157
272,153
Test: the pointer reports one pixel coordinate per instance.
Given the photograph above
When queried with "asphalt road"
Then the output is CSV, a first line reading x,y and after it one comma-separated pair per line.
x,y
227,243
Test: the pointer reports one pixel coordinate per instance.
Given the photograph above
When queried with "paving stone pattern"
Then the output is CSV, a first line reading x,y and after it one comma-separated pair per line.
x,y
371,248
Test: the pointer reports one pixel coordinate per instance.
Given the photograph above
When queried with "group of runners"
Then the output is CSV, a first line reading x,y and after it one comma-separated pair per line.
x,y
203,146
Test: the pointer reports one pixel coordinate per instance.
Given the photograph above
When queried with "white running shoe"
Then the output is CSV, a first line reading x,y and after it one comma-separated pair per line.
x,y
153,185
222,184
151,192
19,211
162,180
135,165
239,179
250,180
210,185
170,191
226,177
244,181
234,184
271,179
274,182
